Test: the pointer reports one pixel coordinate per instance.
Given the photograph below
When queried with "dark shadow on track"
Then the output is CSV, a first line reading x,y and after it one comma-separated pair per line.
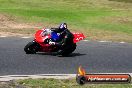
x,y
44,53
71,55
76,54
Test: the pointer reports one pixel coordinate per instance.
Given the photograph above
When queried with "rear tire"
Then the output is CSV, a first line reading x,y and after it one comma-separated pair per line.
x,y
69,50
31,48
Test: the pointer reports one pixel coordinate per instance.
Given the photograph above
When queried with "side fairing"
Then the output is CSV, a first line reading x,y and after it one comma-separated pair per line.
x,y
78,37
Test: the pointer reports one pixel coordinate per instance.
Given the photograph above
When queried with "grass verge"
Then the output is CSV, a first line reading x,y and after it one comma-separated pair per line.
x,y
99,20
57,83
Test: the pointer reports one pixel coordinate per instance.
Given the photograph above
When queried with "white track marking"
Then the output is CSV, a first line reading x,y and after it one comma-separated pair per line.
x,y
104,41
122,42
25,37
55,76
3,36
85,40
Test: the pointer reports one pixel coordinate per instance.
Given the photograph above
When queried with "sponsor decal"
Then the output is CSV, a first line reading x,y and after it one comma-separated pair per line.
x,y
83,78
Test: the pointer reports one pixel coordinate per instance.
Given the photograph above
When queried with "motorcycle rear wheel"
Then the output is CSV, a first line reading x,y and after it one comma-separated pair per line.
x,y
69,50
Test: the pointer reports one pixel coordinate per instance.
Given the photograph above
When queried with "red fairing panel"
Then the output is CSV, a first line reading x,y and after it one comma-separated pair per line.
x,y
78,37
39,38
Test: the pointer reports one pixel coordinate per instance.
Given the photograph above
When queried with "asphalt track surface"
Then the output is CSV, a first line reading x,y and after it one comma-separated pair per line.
x,y
95,57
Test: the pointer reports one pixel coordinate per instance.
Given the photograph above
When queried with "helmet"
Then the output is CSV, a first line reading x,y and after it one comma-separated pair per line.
x,y
63,26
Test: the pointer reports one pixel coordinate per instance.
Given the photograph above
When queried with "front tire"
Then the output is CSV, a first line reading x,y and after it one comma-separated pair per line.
x,y
31,48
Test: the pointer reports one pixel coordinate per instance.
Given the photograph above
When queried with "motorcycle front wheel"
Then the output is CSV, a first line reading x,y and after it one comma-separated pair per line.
x,y
31,48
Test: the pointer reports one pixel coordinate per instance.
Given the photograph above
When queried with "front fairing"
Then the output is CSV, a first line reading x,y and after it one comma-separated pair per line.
x,y
40,37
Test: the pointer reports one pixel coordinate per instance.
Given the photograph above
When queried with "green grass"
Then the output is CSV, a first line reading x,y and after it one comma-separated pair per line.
x,y
57,83
89,16
123,1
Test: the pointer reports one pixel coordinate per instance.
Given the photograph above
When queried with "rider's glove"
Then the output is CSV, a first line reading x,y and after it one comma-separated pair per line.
x,y
52,43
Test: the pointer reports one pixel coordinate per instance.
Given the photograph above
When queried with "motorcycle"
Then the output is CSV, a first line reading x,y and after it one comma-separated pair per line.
x,y
42,39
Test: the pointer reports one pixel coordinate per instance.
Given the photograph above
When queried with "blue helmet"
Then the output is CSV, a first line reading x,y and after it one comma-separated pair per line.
x,y
63,26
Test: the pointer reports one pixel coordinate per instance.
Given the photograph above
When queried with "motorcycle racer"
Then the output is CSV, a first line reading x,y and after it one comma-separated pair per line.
x,y
65,37
57,41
